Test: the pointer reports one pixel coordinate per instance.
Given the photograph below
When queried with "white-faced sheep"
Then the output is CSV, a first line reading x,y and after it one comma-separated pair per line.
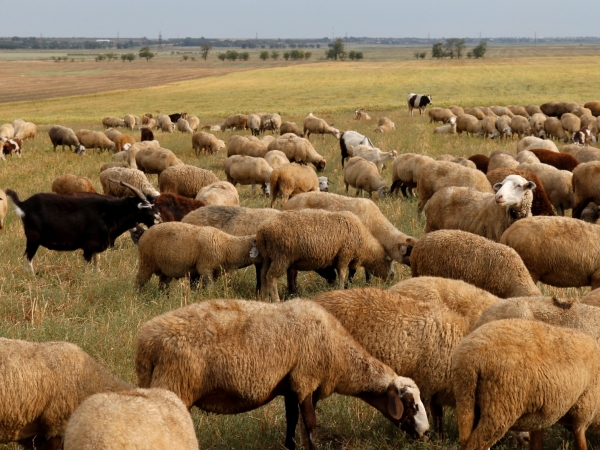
x,y
554,129
484,214
155,160
183,126
468,124
321,239
569,261
235,121
290,180
440,115
465,256
488,127
406,170
185,180
112,122
202,141
291,127
385,125
396,243
537,124
42,385
276,158
503,127
349,141
558,185
524,375
520,126
26,131
375,155
60,135
3,208
316,125
131,419
359,114
134,177
363,175
69,184
95,139
449,128
248,170
298,150
219,193
306,345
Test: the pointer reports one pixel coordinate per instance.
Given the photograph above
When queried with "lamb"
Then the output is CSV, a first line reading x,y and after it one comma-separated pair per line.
x,y
185,180
183,126
571,261
436,175
558,184
440,115
248,170
321,239
385,125
465,256
176,250
488,127
502,160
364,176
95,139
359,114
253,123
374,155
60,135
537,124
475,112
533,109
468,124
270,122
533,397
519,111
276,158
583,136
247,146
11,147
570,123
481,162
502,111
305,344
554,129
152,415
154,160
503,127
42,385
291,127
69,184
541,205
406,170
290,180
562,161
520,125
3,208
236,121
202,141
351,140
527,157
450,128
397,244
130,176
112,122
531,142
27,130
298,150
219,193
484,214
316,125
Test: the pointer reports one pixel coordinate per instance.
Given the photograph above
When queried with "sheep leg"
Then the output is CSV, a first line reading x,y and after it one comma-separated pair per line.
x,y
275,271
579,207
309,419
342,272
357,191
346,188
560,210
437,412
292,278
258,268
536,440
253,189
579,438
163,282
292,413
194,280
486,433
263,277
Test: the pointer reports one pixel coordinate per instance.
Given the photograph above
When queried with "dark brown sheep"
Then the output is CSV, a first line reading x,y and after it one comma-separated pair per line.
x,y
562,161
541,205
147,135
173,207
481,162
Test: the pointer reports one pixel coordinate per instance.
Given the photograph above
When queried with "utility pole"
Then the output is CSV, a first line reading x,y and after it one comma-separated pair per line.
x,y
160,41
535,39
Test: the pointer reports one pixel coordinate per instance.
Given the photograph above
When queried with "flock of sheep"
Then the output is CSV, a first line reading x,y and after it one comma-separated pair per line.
x,y
471,330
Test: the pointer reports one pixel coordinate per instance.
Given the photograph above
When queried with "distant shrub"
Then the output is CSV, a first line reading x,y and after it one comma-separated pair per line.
x,y
275,55
264,55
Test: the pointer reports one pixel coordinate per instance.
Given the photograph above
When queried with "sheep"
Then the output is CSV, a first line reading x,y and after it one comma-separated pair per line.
x,y
131,176
42,385
594,107
487,111
587,154
475,112
109,165
571,261
60,135
248,170
481,162
176,250
164,123
502,111
468,124
193,122
359,114
457,160
406,170
385,125
316,125
234,220
436,175
151,415
16,124
531,142
397,244
7,131
581,111
291,127
11,147
570,123
276,158
364,176
154,160
558,184
27,130
219,193
465,256
247,146
311,356
591,213
440,115
488,127
375,155
119,139
557,378
183,126
129,121
298,150
185,180
202,141
502,160
270,122
585,186
520,126
450,128
3,208
537,124
146,134
527,157
541,205
351,140
503,127
237,121
562,161
173,208
519,111
554,129
554,109
533,109
112,122
290,180
487,215
253,123
387,324
321,239
95,139
69,184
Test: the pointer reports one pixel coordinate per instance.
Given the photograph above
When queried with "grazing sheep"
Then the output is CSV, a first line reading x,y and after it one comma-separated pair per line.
x,y
527,157
247,146
533,109
503,127
351,140
60,135
359,114
406,170
572,149
583,136
219,193
152,415
130,176
558,184
3,208
531,142
541,205
570,123
236,121
487,111
311,356
465,256
176,250
146,135
475,112
316,125
291,127
112,122
468,124
321,239
554,129
298,150
270,122
562,161
488,127
374,155
502,160
290,180
520,126
581,111
586,186
11,147
594,107
397,244
248,170
165,124
571,261
440,115
276,158
253,123
558,378
234,220
109,165
519,111
42,385
502,111
95,139
554,109
481,162
7,131
537,124
154,160
16,124
450,128
129,121
26,130
119,139
193,122
384,125
183,126
202,141
484,214
459,160
364,175
69,184
185,180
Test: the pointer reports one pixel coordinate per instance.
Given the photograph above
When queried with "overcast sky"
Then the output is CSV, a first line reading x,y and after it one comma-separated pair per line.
x,y
301,18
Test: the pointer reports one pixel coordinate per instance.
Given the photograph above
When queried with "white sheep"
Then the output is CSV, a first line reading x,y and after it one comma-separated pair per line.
x,y
276,158
26,130
95,139
3,208
206,141
219,193
349,140
129,121
298,150
153,160
375,155
183,126
533,142
248,170
253,123
449,128
363,175
185,180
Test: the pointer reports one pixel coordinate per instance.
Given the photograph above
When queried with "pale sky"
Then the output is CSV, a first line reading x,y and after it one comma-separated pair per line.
x,y
301,18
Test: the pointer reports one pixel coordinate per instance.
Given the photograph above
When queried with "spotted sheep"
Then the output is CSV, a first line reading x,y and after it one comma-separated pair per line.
x,y
419,101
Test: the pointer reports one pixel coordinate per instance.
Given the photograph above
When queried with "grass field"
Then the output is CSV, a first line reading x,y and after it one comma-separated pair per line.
x,y
101,310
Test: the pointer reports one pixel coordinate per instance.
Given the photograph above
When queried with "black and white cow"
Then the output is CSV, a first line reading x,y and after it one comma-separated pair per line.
x,y
418,101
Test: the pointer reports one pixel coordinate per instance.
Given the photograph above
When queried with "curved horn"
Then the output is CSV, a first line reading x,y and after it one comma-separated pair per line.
x,y
135,190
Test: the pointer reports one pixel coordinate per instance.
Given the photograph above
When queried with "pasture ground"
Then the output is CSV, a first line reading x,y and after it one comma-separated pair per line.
x,y
101,310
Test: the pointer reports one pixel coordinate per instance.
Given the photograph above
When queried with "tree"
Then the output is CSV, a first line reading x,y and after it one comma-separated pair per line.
x,y
204,50
480,50
359,55
307,55
146,53
417,55
185,57
422,55
437,50
244,56
264,55
275,55
99,58
222,56
286,55
337,50
128,57
111,56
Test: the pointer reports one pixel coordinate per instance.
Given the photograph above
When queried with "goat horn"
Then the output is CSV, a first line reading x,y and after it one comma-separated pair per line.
x,y
135,190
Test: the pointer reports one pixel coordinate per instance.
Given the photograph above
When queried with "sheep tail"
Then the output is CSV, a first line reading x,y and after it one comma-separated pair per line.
x,y
465,389
344,149
144,369
274,189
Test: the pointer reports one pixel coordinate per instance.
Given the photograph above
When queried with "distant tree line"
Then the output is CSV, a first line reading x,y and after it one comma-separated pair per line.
x,y
454,48
337,50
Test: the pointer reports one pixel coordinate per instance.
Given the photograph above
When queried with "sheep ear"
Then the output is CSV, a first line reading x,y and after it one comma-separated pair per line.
x,y
497,186
395,406
531,185
403,249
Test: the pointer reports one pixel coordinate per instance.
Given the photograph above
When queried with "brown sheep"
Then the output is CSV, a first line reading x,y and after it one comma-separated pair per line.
x,y
532,109
236,121
185,180
562,161
586,186
541,205
554,129
440,115
594,107
147,134
205,141
298,150
481,162
468,124
290,127
290,180
519,111
570,123
70,184
520,126
475,112
456,110
502,111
